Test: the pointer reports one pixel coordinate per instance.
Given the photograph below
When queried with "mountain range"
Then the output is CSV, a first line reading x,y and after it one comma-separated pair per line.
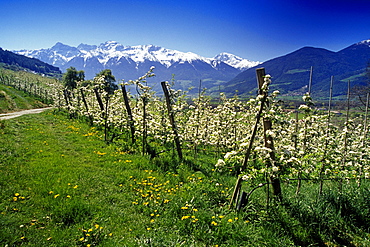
x,y
291,73
223,73
131,62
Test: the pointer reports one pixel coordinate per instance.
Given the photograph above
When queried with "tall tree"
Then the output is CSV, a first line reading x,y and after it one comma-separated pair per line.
x,y
72,76
109,79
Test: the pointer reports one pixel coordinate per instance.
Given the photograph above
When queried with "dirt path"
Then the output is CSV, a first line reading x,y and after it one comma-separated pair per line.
x,y
5,116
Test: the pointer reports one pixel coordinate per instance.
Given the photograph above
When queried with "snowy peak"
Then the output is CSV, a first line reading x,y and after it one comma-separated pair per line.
x,y
131,62
85,47
364,42
235,61
60,54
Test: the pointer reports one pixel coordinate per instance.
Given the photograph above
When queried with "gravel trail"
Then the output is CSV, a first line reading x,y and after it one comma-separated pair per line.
x,y
10,115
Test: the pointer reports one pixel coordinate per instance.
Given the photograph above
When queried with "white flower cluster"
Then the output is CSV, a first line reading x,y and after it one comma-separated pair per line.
x,y
309,147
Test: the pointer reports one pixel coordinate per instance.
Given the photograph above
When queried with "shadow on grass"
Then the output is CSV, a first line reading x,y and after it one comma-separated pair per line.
x,y
336,218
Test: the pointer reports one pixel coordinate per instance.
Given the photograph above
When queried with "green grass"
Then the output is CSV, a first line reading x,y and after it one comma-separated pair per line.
x,y
15,100
294,71
61,185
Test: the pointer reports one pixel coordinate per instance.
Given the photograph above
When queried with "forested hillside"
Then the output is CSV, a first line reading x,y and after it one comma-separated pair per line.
x,y
10,60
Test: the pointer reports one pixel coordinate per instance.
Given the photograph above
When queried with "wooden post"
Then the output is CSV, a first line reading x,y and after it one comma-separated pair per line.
x,y
260,79
327,136
172,119
65,93
86,106
275,181
267,124
129,113
365,134
99,99
198,114
347,125
310,82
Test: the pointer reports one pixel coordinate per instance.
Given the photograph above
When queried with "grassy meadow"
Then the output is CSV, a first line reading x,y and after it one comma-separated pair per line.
x,y
61,185
14,100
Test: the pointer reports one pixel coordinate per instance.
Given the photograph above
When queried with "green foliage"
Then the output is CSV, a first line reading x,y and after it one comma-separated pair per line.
x,y
72,76
109,79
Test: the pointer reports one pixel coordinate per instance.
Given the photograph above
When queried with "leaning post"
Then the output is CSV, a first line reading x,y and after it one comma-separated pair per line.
x,y
129,113
172,119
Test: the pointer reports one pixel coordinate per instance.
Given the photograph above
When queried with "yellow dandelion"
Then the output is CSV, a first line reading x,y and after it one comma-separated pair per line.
x,y
90,230
15,199
230,220
82,239
221,216
75,187
184,207
166,201
16,194
214,223
96,226
148,229
56,195
185,217
195,210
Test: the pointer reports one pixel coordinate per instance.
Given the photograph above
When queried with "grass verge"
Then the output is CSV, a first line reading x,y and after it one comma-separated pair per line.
x,y
61,185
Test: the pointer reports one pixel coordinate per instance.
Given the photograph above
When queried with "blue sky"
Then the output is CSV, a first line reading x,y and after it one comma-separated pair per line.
x,y
257,30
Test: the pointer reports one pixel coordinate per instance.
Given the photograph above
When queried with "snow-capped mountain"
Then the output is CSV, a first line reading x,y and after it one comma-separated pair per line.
x,y
130,62
235,61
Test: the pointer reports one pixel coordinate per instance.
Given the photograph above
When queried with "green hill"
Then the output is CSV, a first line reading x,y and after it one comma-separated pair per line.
x,y
10,60
291,73
14,100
